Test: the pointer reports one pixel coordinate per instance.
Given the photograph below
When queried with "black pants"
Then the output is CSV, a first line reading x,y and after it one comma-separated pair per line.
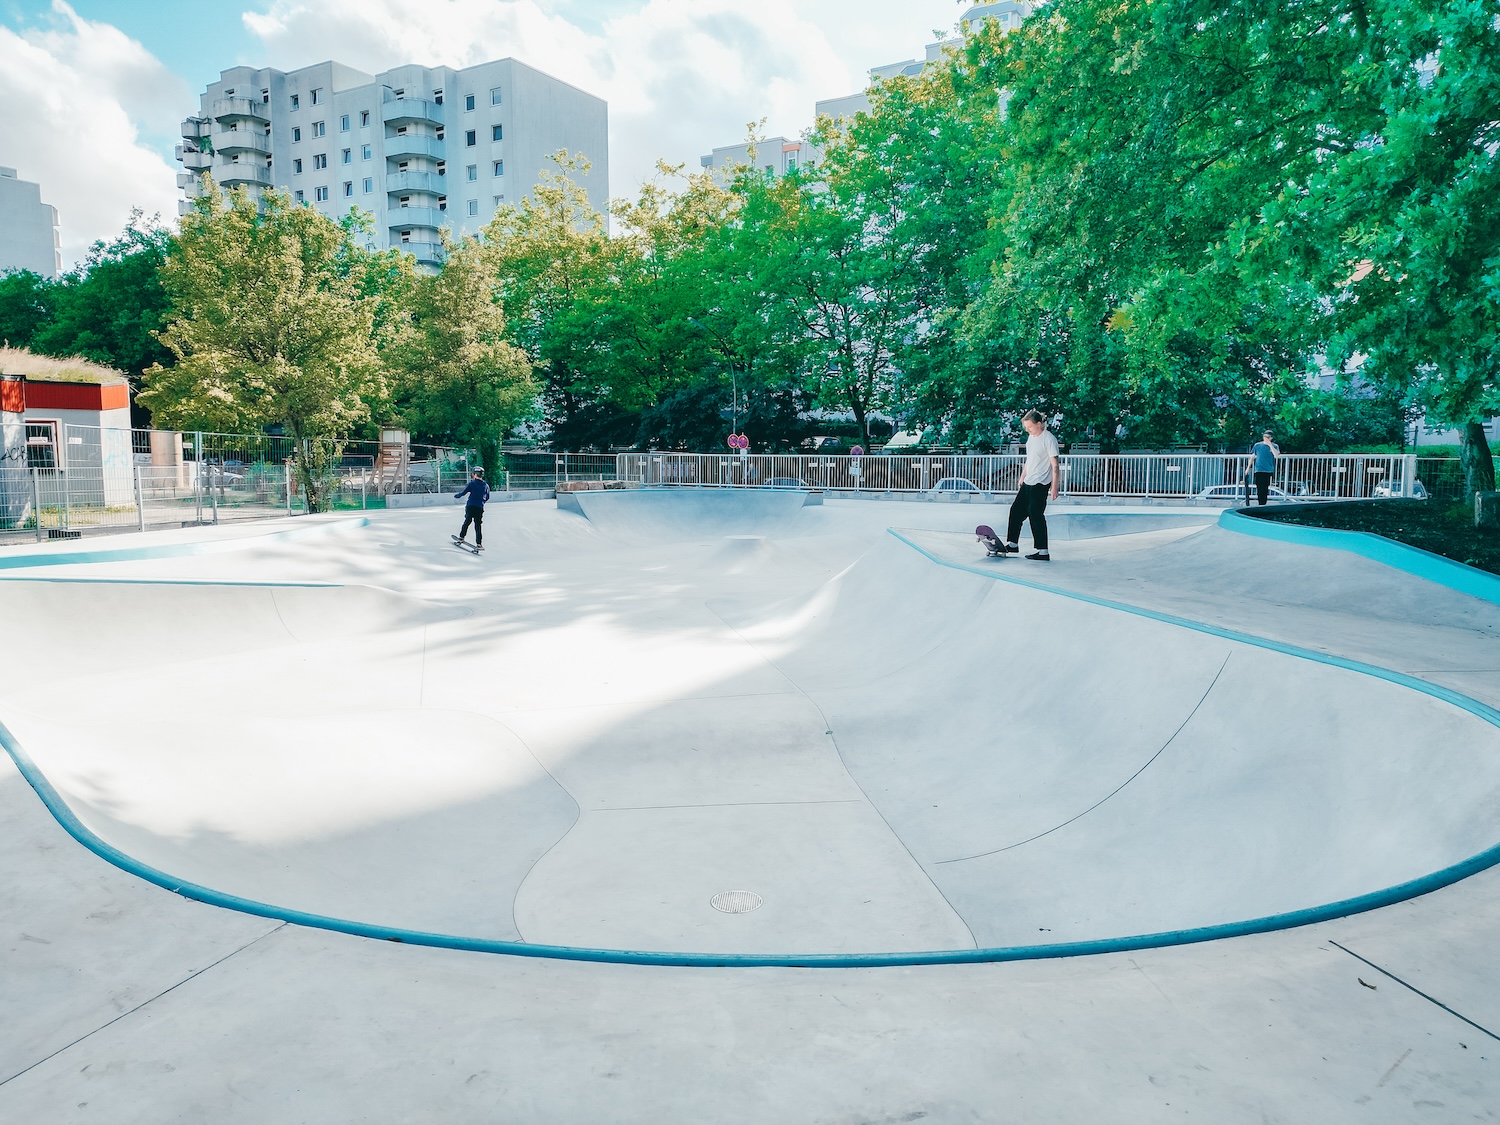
x,y
476,517
1030,503
1262,483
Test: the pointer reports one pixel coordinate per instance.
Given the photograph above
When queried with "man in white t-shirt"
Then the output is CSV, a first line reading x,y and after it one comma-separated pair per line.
x,y
1038,485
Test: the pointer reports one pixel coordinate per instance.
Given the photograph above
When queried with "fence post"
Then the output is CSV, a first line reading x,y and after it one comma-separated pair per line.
x,y
36,502
287,465
1408,474
140,503
67,504
213,497
364,491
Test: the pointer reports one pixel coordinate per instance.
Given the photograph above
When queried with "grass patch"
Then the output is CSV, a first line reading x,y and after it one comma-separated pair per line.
x,y
1441,526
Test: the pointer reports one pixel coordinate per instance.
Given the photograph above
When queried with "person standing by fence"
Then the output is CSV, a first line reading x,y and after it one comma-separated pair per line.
x,y
1039,477
1263,456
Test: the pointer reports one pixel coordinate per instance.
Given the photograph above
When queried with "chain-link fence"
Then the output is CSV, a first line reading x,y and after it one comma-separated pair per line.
x,y
64,480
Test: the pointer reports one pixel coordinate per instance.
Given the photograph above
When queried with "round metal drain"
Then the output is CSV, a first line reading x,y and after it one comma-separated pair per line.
x,y
736,902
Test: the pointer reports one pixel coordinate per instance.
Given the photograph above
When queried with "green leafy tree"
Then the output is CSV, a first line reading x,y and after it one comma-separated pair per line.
x,y
271,323
26,301
458,379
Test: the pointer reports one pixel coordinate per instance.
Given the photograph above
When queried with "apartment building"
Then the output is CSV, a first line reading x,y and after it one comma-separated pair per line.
x,y
29,235
778,155
422,149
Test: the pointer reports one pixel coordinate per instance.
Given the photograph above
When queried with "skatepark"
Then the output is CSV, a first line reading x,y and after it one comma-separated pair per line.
x,y
666,774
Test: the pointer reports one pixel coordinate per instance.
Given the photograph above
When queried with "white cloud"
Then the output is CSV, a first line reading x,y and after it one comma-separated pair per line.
x,y
680,76
72,96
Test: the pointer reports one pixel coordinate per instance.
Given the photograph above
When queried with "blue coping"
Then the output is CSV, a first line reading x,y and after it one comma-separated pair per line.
x,y
175,550
1400,556
1288,920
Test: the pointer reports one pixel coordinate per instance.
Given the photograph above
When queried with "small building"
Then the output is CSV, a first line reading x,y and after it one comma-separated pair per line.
x,y
75,416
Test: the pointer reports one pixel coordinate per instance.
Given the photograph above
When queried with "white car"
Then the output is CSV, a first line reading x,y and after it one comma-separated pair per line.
x,y
1391,490
1235,494
949,485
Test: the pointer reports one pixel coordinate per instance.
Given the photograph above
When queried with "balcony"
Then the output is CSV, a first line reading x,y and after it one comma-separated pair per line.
x,y
426,253
429,182
194,127
227,109
402,111
413,145
232,174
242,140
413,218
190,157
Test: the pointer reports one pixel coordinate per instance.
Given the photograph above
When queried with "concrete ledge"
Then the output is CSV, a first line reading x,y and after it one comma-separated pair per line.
x,y
444,499
1400,556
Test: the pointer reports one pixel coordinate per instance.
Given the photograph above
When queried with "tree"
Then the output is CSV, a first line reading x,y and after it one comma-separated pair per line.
x,y
270,324
26,300
110,308
458,378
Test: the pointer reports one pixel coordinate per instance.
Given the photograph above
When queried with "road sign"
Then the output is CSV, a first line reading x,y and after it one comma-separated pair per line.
x,y
857,451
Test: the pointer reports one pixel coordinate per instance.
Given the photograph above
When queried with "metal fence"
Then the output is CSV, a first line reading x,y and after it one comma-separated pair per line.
x,y
548,470
1212,478
64,480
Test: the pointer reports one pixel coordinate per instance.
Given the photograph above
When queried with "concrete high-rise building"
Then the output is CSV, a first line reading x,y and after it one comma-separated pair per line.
x,y
29,237
419,148
777,155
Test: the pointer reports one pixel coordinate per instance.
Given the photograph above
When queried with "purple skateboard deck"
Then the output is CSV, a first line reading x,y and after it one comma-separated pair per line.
x,y
993,546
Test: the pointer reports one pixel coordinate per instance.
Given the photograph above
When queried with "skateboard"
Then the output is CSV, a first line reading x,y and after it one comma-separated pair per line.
x,y
993,545
473,550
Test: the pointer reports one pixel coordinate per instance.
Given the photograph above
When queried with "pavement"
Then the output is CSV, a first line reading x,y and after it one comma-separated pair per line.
x,y
903,748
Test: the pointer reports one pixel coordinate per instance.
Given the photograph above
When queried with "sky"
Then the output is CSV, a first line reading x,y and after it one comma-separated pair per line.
x,y
92,92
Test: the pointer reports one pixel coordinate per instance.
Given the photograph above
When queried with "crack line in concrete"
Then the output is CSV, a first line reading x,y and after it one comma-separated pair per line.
x,y
1418,991
142,1004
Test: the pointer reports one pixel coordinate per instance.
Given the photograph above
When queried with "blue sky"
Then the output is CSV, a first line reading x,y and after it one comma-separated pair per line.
x,y
92,91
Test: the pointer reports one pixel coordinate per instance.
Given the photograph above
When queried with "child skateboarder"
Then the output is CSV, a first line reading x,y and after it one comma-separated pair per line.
x,y
477,492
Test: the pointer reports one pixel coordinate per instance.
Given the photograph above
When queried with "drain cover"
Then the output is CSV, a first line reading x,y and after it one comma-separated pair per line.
x,y
736,902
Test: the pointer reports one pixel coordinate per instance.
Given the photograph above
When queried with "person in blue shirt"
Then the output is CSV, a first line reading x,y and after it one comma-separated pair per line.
x,y
477,492
1263,465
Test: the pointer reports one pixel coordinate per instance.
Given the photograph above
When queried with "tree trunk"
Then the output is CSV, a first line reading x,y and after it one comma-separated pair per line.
x,y
489,456
862,420
1475,460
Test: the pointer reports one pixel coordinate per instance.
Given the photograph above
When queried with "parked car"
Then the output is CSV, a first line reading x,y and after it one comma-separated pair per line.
x,y
1391,490
950,485
783,482
1235,493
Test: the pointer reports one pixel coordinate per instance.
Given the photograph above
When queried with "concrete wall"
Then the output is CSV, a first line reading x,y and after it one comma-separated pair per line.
x,y
29,238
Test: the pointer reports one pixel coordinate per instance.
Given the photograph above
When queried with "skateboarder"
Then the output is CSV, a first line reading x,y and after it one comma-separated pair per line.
x,y
1265,453
477,492
1038,485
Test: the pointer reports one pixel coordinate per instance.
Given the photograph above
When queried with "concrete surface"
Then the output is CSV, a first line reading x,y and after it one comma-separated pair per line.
x,y
583,735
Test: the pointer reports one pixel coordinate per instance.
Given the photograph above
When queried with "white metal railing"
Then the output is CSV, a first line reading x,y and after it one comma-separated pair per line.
x,y
1207,477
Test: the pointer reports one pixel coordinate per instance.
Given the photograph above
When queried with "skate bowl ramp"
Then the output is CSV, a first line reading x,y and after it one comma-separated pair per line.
x,y
898,757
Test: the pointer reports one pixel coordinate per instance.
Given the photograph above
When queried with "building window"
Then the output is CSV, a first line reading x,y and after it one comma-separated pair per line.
x,y
364,152
400,93
319,129
473,206
368,185
296,134
401,130
41,445
497,132
495,96
344,123
471,173
437,97
442,167
468,101
442,203
320,161
499,199
364,118
315,97
499,167
321,194
440,132
406,236
471,138
405,201
265,97
296,102
297,166
298,196
348,156
348,188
